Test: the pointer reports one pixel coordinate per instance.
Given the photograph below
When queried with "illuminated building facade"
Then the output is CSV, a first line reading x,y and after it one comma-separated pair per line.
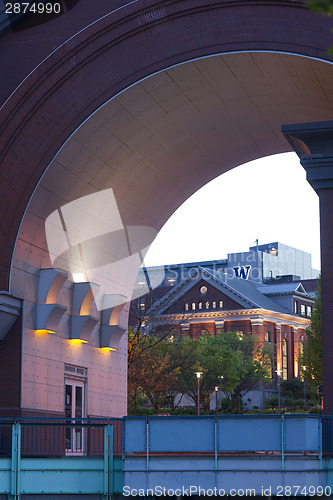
x,y
209,302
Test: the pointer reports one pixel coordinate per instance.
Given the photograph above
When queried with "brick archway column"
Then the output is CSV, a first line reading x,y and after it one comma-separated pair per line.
x,y
313,143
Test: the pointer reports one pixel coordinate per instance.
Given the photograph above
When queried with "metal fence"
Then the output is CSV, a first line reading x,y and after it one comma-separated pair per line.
x,y
327,435
226,434
234,434
60,437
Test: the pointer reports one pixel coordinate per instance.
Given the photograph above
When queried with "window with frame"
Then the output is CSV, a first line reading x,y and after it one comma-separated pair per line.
x,y
303,309
284,359
269,366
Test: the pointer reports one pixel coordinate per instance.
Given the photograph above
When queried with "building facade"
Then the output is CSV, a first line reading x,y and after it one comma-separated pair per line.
x,y
211,302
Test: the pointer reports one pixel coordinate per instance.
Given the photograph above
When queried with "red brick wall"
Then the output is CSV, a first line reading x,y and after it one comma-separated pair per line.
x,y
10,368
197,329
234,326
41,35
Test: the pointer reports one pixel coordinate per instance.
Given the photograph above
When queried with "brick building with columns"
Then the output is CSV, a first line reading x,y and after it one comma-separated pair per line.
x,y
208,301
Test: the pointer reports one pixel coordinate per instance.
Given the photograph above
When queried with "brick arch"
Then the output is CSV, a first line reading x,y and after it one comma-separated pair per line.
x,y
114,53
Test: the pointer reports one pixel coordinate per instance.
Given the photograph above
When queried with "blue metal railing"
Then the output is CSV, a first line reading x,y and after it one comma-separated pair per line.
x,y
60,437
40,461
31,448
224,434
296,434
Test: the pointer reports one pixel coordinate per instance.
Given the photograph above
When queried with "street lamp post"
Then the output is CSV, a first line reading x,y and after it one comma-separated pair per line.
x,y
198,374
216,391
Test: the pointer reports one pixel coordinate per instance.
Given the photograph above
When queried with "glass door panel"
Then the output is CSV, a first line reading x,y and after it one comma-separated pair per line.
x,y
74,409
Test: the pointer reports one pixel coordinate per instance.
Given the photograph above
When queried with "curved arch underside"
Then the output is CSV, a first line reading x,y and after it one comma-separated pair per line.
x,y
160,140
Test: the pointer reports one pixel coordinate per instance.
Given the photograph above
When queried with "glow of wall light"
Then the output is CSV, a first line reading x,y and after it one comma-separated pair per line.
x,y
296,368
78,341
79,278
108,349
44,332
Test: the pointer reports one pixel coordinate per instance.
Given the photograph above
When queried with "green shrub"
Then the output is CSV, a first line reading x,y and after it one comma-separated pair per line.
x,y
315,410
186,410
271,402
225,404
293,388
292,402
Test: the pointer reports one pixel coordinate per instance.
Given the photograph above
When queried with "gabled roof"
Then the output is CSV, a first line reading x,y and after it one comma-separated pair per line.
x,y
244,292
282,288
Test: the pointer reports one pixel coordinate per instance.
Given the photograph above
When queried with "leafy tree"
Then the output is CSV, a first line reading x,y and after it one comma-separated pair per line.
x,y
152,374
186,354
143,336
240,361
244,365
324,7
312,357
183,354
159,376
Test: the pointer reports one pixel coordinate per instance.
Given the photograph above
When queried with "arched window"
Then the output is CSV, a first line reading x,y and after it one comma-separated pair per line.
x,y
186,306
284,359
200,305
207,305
193,306
214,305
269,366
221,304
